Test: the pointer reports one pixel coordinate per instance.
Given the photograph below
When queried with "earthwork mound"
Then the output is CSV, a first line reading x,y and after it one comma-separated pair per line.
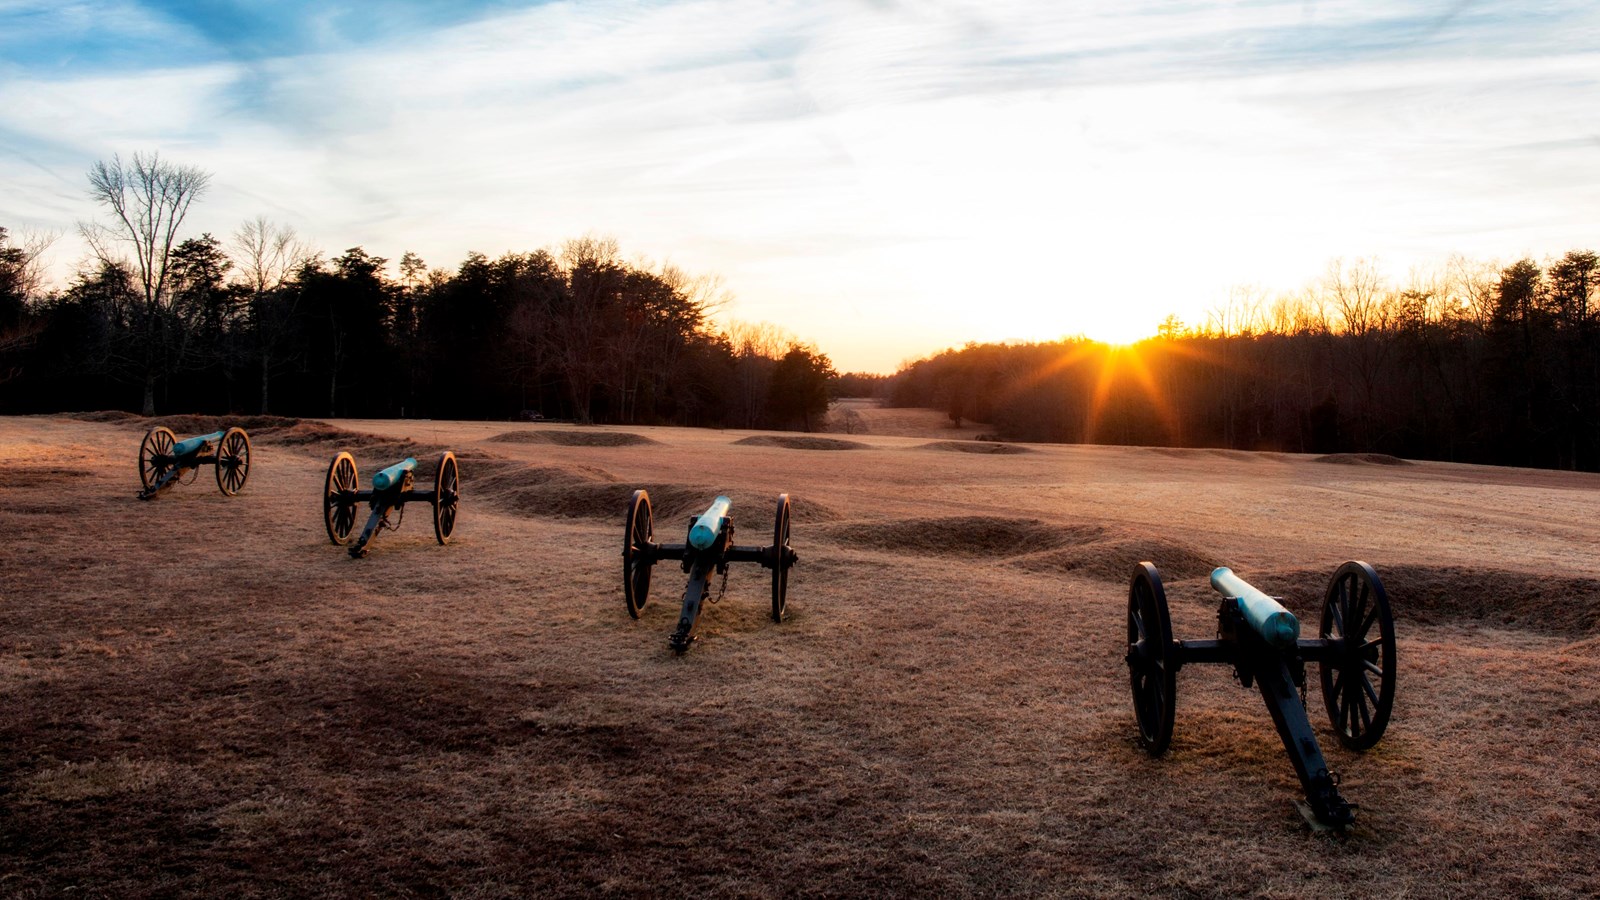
x,y
1361,459
186,425
1112,556
1205,453
585,492
1555,605
971,536
1085,549
989,447
103,415
1443,595
800,443
573,438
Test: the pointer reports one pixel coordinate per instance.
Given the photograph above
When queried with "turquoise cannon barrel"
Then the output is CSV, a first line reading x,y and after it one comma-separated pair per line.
x,y
393,475
186,447
1276,625
705,530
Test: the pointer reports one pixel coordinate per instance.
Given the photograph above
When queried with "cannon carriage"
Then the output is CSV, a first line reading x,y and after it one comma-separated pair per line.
x,y
707,550
392,488
1259,638
164,460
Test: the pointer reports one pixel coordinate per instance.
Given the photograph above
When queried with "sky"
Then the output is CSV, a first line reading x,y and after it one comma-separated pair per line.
x,y
884,179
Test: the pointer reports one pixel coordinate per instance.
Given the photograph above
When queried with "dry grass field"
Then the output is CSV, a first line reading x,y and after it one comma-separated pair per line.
x,y
200,695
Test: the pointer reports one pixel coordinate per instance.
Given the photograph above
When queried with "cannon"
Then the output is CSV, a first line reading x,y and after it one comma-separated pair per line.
x,y
391,489
164,460
1355,650
707,549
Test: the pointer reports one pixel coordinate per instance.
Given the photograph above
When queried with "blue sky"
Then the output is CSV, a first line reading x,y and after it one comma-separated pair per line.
x,y
883,178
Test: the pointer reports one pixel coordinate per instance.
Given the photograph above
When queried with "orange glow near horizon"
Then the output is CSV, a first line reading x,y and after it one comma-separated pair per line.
x,y
1121,362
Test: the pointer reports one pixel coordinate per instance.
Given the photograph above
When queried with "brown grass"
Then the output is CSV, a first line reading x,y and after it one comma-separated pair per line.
x,y
201,696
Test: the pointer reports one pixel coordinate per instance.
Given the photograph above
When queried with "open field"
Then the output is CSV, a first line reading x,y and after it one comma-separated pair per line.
x,y
200,694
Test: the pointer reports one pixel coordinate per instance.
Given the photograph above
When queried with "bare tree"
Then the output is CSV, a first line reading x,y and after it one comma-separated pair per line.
x,y
577,340
265,256
147,199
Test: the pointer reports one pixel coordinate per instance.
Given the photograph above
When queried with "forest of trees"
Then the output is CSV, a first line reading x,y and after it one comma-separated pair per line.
x,y
263,323
1479,363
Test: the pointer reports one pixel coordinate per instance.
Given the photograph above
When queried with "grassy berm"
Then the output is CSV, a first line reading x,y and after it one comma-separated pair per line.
x,y
201,696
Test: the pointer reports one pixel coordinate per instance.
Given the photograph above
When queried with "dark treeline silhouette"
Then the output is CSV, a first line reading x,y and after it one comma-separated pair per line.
x,y
578,334
1476,364
264,324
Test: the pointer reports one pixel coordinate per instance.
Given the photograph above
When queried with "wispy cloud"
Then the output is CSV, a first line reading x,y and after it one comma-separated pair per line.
x,y
874,175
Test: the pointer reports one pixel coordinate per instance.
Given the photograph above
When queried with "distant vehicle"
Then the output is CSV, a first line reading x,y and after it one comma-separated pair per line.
x,y
532,415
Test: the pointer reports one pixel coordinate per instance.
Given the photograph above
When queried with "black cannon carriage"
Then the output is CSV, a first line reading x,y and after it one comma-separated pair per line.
x,y
707,550
392,488
1354,649
164,460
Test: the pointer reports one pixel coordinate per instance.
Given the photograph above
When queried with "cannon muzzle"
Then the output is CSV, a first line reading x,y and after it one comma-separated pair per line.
x,y
393,475
1276,625
709,525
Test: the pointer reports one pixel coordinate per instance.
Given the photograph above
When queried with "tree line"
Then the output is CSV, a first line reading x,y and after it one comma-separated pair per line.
x,y
263,323
1475,363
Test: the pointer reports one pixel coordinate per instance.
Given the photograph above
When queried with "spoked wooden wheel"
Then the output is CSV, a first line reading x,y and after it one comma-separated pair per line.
x,y
784,558
446,492
155,456
338,498
636,558
1358,683
1152,666
233,461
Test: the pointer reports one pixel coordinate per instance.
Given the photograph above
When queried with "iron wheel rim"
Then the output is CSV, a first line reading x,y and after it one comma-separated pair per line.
x,y
638,535
233,461
1152,675
157,441
1358,710
446,493
338,515
780,567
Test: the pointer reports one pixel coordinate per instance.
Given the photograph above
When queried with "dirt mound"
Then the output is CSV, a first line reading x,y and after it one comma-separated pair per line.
x,y
1545,604
1113,556
603,500
990,447
573,438
313,432
1440,595
104,415
186,425
1205,453
974,536
800,443
1361,459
